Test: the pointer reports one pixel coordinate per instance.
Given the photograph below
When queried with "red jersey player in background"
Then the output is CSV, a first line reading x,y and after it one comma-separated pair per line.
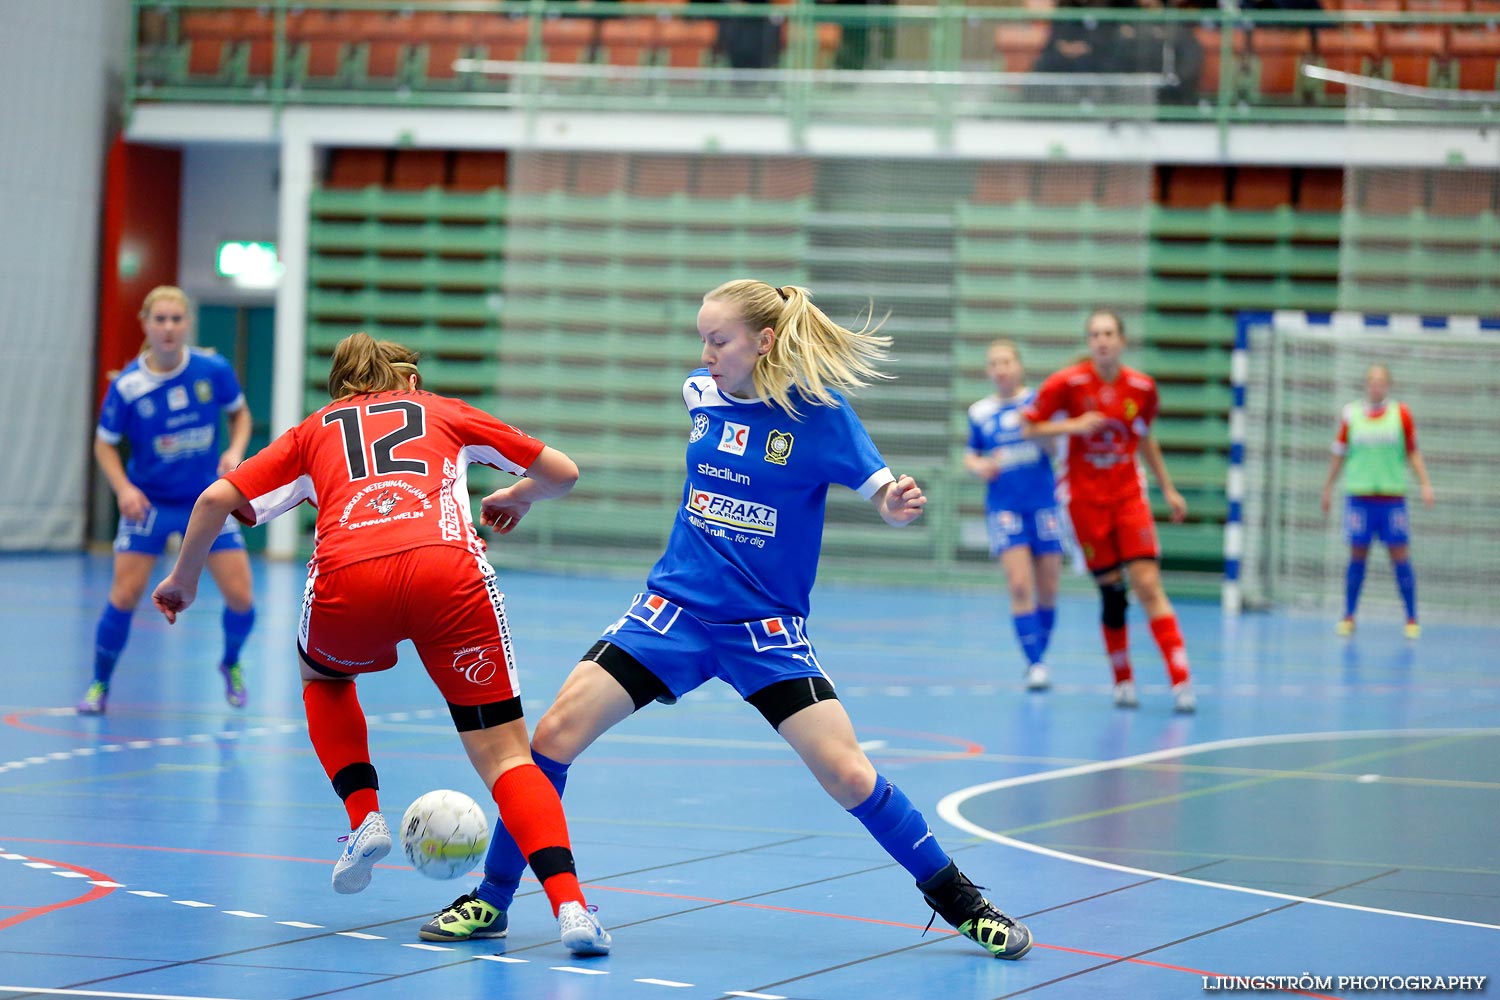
x,y
1109,409
397,557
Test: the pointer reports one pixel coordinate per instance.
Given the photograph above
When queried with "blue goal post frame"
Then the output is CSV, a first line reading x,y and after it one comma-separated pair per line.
x,y
1232,595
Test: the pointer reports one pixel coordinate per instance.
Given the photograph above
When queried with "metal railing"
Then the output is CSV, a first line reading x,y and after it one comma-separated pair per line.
x,y
937,65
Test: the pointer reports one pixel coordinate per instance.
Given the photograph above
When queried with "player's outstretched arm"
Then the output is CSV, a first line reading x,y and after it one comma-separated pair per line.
x,y
900,503
1084,424
128,497
1335,465
178,591
552,475
1420,468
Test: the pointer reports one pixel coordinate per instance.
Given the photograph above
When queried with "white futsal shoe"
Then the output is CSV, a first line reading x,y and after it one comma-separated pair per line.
x,y
363,847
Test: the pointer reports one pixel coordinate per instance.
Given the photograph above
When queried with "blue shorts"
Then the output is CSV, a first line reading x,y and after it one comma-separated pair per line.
x,y
1041,529
684,652
1385,518
149,537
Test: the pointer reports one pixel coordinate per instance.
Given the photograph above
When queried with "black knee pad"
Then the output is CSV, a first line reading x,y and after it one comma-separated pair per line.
x,y
641,684
1115,603
468,718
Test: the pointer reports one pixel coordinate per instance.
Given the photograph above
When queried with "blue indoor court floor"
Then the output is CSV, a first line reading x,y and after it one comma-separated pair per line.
x,y
1333,810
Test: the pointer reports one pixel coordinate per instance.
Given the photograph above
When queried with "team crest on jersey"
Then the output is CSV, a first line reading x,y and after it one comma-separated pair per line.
x,y
778,447
145,408
204,390
384,502
1131,409
177,398
700,428
734,438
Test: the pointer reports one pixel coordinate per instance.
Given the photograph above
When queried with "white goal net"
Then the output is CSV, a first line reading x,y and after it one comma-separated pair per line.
x,y
1297,371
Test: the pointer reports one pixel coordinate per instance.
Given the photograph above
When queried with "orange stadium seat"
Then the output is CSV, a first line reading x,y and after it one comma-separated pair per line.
x,y
1260,189
1414,54
1211,41
1462,193
387,41
1279,54
258,29
1476,56
1018,44
689,44
658,176
503,38
1348,49
208,33
318,36
600,173
1320,190
567,39
1002,183
722,177
782,179
629,41
1389,192
1437,6
443,37
357,168
1375,6
1066,183
1195,187
538,173
476,170
419,169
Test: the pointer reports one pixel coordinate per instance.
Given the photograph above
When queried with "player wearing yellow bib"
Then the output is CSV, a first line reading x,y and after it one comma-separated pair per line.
x,y
1376,439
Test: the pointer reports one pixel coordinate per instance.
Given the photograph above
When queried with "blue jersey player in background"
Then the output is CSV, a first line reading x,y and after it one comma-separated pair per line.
x,y
165,405
768,433
1020,505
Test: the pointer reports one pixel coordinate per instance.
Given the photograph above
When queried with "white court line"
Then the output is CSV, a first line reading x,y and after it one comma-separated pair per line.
x,y
502,958
665,982
949,809
580,972
100,993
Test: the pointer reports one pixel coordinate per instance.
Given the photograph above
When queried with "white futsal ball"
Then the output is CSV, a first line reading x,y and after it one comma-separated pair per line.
x,y
444,834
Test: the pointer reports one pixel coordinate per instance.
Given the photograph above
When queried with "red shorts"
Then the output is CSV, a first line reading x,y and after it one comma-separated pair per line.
x,y
444,599
1111,534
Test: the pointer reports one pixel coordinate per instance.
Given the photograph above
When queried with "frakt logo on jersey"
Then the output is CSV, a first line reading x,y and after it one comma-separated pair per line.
x,y
734,438
732,513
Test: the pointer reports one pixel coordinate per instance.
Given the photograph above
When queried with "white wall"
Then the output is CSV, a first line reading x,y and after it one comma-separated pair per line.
x,y
60,72
228,193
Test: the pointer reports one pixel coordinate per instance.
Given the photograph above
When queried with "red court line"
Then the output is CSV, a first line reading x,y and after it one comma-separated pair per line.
x,y
95,893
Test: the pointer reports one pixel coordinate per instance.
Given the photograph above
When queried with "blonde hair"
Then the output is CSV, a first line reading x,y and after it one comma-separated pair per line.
x,y
163,292
1004,343
810,353
363,364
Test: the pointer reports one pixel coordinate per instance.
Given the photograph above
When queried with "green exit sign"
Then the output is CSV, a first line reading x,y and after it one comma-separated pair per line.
x,y
248,262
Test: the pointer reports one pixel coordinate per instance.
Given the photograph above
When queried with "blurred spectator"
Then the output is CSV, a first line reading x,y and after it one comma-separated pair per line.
x,y
750,42
1169,48
1084,45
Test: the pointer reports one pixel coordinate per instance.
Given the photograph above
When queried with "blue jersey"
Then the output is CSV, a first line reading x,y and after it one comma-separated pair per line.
x,y
1025,482
172,423
745,543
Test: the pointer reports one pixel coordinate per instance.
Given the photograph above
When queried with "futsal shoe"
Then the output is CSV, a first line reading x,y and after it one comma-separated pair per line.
x,y
94,700
1413,630
1184,702
1037,678
582,934
466,918
363,847
1125,695
1344,628
235,691
958,901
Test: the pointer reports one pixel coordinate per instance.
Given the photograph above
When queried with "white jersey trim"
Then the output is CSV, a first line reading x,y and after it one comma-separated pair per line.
x,y
877,479
282,499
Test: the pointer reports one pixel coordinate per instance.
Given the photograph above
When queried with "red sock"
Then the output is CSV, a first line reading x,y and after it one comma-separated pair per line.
x,y
532,812
1173,650
1117,645
336,724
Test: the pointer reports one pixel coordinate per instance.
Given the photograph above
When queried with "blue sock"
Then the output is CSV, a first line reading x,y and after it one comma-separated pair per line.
x,y
1029,633
893,821
504,863
1354,578
1406,582
1046,617
237,627
109,641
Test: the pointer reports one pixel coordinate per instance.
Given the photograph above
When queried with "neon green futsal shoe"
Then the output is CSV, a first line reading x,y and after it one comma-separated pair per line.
x,y
958,901
466,918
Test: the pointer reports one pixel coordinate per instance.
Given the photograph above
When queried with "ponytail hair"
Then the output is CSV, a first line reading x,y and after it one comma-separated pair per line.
x,y
810,353
363,364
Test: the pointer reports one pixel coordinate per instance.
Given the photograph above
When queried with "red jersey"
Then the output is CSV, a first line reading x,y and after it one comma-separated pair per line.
x,y
387,471
1101,467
